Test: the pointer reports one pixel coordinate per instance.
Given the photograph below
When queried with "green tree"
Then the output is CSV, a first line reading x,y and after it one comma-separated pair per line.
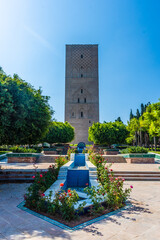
x,y
118,120
138,114
59,133
108,133
131,115
133,128
24,112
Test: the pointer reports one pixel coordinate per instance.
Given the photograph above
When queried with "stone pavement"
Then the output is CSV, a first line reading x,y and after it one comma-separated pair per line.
x,y
115,166
140,222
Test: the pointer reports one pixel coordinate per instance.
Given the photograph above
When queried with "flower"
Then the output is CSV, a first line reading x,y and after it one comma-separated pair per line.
x,y
38,181
70,194
86,184
111,170
45,171
33,176
41,175
131,186
106,168
42,194
99,161
69,190
62,184
123,179
50,166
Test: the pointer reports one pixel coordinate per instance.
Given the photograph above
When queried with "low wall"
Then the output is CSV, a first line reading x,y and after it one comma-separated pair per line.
x,y
22,157
140,160
114,159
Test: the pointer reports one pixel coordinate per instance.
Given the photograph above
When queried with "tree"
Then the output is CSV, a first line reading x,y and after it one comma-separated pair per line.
x,y
59,133
131,115
24,112
133,128
108,133
138,114
118,120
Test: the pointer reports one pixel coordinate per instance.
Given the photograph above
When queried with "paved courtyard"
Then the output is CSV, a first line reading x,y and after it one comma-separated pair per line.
x,y
140,222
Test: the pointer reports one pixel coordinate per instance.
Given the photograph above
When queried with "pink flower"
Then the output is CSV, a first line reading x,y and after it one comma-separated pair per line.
x,y
41,175
131,186
33,176
123,179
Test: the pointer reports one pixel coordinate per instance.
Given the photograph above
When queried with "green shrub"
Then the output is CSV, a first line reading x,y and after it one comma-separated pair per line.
x,y
42,181
71,150
135,150
60,161
24,150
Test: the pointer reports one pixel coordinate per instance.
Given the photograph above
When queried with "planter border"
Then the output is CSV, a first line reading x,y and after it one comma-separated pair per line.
x,y
80,226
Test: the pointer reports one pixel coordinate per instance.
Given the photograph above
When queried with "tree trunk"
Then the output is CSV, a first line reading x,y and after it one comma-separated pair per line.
x,y
136,138
155,144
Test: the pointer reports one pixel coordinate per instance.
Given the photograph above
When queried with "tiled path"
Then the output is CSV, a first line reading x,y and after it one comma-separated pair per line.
x,y
141,222
115,166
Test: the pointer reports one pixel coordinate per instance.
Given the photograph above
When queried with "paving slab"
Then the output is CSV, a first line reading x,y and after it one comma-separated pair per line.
x,y
140,222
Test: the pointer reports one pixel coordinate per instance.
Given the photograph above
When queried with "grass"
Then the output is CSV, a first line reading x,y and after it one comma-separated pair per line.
x,y
3,152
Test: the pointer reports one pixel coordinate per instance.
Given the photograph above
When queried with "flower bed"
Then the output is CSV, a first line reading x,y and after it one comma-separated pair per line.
x,y
107,197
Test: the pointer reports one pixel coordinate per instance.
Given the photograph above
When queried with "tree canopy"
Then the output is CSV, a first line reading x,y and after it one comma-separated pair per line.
x,y
59,132
108,133
24,112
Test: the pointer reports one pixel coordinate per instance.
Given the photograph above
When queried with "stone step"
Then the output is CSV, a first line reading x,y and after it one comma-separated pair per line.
x,y
137,175
46,159
142,179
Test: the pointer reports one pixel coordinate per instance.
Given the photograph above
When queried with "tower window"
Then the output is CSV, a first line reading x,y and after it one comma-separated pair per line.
x,y
81,67
81,56
84,100
78,100
81,75
89,121
81,114
81,90
72,114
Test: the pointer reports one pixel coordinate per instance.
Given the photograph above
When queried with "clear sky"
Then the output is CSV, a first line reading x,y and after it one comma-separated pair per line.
x,y
33,34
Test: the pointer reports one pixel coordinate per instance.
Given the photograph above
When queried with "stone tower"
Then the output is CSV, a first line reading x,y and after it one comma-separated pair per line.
x,y
81,89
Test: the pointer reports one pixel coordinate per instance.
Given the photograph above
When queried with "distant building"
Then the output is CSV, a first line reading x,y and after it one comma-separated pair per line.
x,y
81,89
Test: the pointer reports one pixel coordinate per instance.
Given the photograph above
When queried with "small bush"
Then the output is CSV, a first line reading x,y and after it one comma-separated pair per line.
x,y
24,150
60,161
135,150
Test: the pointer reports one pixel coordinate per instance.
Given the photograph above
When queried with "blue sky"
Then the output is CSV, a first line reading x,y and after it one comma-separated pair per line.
x,y
33,34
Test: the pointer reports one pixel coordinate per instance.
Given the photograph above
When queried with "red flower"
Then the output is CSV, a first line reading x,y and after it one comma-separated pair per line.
x,y
38,181
50,166
62,184
86,184
106,168
45,171
70,194
69,190
33,176
99,161
41,175
42,194
111,170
